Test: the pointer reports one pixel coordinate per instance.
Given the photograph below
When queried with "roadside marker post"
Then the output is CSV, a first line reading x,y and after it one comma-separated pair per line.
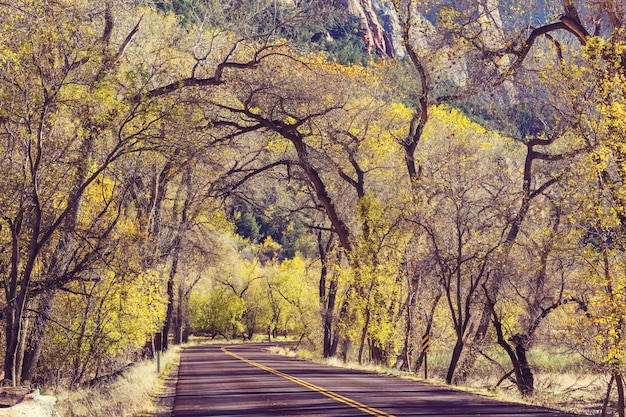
x,y
158,346
425,349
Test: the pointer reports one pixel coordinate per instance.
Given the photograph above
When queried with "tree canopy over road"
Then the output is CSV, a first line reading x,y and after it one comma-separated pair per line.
x,y
233,168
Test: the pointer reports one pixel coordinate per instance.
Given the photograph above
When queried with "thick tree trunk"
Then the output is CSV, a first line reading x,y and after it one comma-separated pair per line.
x,y
343,312
328,319
524,378
179,322
408,332
605,403
11,330
523,373
328,297
339,226
14,329
170,302
619,382
15,293
37,335
333,347
456,355
378,356
21,347
364,334
56,273
347,344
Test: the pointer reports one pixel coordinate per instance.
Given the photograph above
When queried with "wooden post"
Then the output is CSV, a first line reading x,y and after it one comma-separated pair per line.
x,y
158,346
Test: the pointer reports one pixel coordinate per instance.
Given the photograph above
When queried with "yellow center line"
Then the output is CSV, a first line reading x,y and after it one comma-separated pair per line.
x,y
323,391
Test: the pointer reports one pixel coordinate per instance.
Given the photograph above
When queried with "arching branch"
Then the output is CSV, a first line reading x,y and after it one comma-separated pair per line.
x,y
569,22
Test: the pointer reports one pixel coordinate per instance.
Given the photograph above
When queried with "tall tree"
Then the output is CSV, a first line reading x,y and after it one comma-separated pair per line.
x,y
61,121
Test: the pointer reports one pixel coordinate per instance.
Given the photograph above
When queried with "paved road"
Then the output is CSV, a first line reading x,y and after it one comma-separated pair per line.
x,y
245,380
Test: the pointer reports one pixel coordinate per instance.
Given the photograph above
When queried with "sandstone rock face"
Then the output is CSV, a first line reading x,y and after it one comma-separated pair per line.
x,y
447,64
391,24
491,24
376,37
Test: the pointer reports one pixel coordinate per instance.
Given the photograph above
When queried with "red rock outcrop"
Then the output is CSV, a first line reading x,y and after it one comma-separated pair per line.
x,y
377,39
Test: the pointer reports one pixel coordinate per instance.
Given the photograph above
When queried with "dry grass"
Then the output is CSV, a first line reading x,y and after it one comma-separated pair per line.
x,y
575,392
133,394
561,383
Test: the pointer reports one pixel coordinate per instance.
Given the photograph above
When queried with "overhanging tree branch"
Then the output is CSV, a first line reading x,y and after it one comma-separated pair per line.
x,y
569,22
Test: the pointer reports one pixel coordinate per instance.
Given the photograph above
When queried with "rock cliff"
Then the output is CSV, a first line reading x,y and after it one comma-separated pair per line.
x,y
381,30
382,33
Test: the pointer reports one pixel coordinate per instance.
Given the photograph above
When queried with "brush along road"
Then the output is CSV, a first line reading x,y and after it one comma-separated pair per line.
x,y
246,380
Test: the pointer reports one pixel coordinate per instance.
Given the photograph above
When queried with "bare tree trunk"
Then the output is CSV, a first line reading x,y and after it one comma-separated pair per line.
x,y
378,356
21,347
178,322
408,331
334,345
328,319
456,355
170,301
37,336
328,297
364,334
619,382
605,404
56,273
16,292
12,330
524,375
347,344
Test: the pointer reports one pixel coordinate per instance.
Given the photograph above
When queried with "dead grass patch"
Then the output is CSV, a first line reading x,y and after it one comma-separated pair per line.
x,y
133,394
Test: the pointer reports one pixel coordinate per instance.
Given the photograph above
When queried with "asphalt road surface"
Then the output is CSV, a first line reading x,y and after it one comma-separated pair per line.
x,y
246,380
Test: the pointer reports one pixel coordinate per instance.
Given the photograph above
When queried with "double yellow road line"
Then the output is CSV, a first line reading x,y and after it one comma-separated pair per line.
x,y
330,394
